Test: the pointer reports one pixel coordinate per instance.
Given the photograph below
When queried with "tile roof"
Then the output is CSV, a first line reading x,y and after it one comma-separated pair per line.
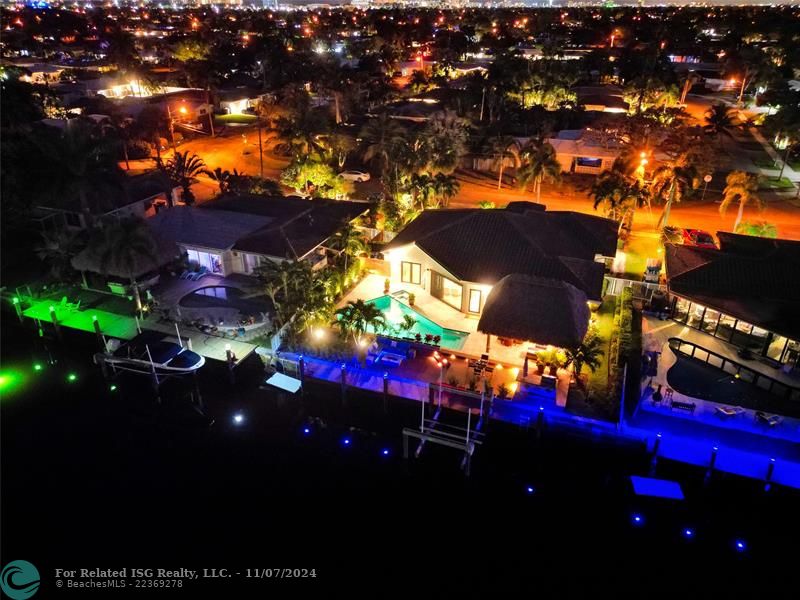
x,y
753,279
485,245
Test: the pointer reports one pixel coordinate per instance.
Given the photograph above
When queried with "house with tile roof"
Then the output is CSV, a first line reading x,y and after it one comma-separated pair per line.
x,y
459,256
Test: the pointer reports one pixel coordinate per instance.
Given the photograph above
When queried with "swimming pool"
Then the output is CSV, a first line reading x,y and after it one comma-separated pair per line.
x,y
394,311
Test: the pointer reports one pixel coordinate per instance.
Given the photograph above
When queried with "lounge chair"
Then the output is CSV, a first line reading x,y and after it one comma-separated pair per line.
x,y
729,411
184,275
770,420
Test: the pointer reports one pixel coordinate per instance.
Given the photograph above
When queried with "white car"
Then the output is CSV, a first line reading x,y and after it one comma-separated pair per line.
x,y
358,176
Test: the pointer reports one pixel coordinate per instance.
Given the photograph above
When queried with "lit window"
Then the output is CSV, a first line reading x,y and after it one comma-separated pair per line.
x,y
411,273
474,301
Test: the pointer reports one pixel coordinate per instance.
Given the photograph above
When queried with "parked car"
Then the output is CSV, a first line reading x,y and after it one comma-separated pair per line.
x,y
699,238
358,176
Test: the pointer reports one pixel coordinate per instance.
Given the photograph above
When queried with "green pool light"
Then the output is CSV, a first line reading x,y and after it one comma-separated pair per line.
x,y
37,366
11,381
113,387
72,377
15,300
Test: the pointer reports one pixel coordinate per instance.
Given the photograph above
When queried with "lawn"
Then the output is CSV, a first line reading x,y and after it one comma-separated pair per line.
x,y
605,328
597,382
240,119
772,183
637,250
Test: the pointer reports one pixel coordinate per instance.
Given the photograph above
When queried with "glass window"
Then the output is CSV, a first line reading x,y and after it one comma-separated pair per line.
x,y
776,346
587,161
474,301
411,272
709,324
725,327
452,292
696,315
681,309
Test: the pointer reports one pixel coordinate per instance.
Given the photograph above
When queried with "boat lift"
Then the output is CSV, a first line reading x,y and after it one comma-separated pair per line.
x,y
433,430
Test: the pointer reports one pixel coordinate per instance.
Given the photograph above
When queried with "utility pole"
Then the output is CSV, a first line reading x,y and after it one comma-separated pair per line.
x,y
171,129
260,150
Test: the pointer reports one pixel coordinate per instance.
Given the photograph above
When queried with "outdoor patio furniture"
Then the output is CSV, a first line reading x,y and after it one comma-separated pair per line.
x,y
390,359
687,406
185,274
770,420
729,411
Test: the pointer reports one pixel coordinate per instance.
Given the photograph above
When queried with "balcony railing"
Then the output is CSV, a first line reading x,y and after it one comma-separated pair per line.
x,y
731,367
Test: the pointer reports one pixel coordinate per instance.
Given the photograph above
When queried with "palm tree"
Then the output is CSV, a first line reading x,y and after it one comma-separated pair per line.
x,y
670,184
380,136
445,187
357,316
226,180
421,186
720,119
183,168
123,247
444,141
57,249
538,162
503,147
587,354
348,241
619,193
82,167
758,229
741,187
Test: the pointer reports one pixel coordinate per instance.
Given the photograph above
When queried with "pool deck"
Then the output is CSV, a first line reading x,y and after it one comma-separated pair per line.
x,y
474,345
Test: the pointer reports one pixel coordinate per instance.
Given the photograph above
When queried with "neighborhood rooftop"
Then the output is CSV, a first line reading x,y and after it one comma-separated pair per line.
x,y
485,245
754,279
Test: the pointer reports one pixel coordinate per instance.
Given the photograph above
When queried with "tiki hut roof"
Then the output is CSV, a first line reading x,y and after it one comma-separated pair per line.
x,y
539,310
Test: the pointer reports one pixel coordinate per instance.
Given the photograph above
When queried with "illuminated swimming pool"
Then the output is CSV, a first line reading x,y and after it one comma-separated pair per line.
x,y
394,311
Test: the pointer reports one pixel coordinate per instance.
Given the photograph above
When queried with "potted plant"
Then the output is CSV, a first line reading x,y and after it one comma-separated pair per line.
x,y
386,284
437,339
428,338
411,299
418,337
502,391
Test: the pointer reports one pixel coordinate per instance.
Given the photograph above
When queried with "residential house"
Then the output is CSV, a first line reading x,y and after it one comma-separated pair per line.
x,y
584,151
745,293
459,255
236,234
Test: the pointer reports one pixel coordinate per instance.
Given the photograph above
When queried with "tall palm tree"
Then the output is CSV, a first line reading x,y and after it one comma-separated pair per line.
x,y
538,163
348,241
358,316
183,168
670,184
619,193
380,136
125,246
422,189
741,187
445,187
720,118
503,147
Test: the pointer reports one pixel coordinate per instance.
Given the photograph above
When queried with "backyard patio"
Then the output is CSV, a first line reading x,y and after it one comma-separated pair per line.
x,y
474,344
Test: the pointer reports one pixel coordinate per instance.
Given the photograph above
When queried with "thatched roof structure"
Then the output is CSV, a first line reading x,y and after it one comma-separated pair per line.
x,y
545,311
